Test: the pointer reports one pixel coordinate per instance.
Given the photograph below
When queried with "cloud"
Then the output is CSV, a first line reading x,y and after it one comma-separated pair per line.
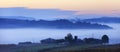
x,y
51,14
37,13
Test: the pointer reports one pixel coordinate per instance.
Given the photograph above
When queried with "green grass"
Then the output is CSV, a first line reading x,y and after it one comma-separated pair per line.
x,y
73,47
63,48
36,48
88,48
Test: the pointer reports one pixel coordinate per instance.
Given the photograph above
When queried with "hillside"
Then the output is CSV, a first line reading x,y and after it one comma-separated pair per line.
x,y
104,20
54,24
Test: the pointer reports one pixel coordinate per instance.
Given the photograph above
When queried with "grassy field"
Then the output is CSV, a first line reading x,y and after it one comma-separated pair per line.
x,y
37,48
60,48
72,48
27,48
88,48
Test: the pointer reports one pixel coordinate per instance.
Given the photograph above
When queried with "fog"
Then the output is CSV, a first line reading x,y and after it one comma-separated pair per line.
x,y
14,36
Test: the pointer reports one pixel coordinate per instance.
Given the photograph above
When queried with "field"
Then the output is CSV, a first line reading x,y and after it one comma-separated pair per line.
x,y
27,48
88,48
60,48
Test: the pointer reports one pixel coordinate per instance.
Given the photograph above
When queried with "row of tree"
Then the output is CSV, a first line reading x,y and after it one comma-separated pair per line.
x,y
69,38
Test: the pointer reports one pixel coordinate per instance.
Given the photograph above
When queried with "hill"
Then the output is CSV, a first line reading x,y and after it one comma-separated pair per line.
x,y
54,24
104,20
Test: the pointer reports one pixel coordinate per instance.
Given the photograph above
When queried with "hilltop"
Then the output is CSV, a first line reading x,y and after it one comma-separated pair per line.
x,y
104,20
53,24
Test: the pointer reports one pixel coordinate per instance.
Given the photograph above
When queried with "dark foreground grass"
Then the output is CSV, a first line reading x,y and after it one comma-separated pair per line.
x,y
27,48
60,48
93,48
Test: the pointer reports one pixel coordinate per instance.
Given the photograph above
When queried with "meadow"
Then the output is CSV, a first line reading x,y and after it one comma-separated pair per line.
x,y
60,48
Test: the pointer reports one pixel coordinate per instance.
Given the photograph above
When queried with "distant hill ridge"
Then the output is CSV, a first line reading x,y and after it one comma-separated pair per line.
x,y
53,24
104,20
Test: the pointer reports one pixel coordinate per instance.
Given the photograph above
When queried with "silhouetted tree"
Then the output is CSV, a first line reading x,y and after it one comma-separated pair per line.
x,y
66,38
59,40
92,41
75,38
105,39
69,38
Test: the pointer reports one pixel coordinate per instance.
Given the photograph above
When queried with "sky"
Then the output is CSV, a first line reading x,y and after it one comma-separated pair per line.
x,y
81,8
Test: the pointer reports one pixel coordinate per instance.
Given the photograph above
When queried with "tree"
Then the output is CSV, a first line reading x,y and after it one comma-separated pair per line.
x,y
69,38
66,38
75,38
105,39
60,40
